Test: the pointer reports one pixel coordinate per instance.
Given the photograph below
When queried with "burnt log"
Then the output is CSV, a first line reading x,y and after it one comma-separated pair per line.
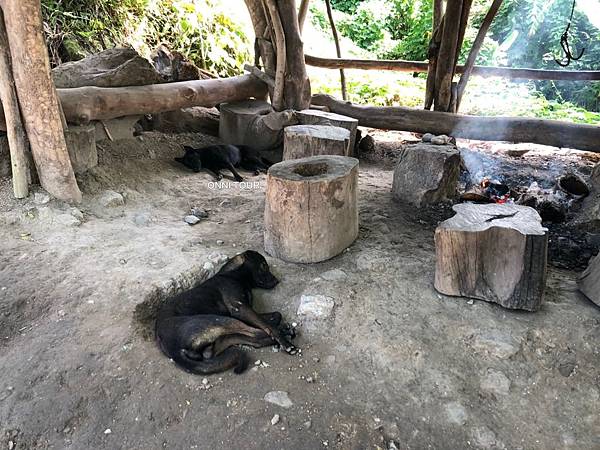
x,y
311,210
493,252
516,129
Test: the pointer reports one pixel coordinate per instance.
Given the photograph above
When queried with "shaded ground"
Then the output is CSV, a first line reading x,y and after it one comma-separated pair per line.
x,y
395,362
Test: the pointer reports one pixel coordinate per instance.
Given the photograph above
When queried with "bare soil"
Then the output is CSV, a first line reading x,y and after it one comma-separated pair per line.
x,y
395,363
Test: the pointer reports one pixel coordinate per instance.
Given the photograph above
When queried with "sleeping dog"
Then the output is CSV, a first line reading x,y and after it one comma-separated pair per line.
x,y
198,328
219,157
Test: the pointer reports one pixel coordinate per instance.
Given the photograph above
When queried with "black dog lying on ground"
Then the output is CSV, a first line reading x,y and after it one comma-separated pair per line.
x,y
219,157
198,328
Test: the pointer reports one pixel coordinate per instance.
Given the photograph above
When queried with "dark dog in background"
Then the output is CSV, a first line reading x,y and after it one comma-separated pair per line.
x,y
224,156
198,328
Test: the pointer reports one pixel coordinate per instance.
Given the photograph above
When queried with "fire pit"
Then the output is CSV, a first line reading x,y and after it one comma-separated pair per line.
x,y
311,209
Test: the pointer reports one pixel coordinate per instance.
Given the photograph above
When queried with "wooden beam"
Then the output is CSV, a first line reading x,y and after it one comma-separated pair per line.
x,y
17,139
37,98
482,71
515,129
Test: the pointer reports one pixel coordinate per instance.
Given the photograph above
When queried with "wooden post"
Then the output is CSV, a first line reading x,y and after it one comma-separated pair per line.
x,y
281,54
338,50
17,140
302,12
37,98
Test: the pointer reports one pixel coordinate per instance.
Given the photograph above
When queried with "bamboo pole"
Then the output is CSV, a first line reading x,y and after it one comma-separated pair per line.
x,y
17,139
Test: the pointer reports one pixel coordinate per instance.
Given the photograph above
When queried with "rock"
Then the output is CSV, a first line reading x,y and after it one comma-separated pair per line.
x,y
279,398
495,383
41,198
76,212
208,266
440,140
275,419
367,144
334,275
196,119
456,413
315,306
200,213
307,424
427,137
118,129
110,199
191,220
110,68
484,437
108,431
496,344
517,152
174,66
426,174
141,218
589,282
67,220
220,242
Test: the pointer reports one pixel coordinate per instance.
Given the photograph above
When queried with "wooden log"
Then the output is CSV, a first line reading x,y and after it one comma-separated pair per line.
x,y
315,117
496,253
253,123
37,98
482,71
302,12
280,47
589,282
82,105
301,141
17,139
311,211
516,129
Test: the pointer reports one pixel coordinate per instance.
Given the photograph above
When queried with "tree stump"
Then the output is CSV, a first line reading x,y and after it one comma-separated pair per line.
x,y
493,252
253,123
316,117
589,282
311,211
302,141
81,144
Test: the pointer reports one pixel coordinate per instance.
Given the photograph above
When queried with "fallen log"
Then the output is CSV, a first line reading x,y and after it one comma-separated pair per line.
x,y
555,133
482,71
84,104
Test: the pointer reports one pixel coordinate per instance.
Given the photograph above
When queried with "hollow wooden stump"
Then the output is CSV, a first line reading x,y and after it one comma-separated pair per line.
x,y
316,117
311,211
301,141
493,252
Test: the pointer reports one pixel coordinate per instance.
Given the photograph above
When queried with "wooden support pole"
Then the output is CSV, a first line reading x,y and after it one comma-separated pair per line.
x,y
37,98
482,71
302,12
17,140
280,48
477,43
516,129
338,50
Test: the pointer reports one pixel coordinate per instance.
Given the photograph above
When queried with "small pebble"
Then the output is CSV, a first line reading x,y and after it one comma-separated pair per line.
x,y
470,302
220,242
107,431
257,362
191,220
204,381
275,419
11,445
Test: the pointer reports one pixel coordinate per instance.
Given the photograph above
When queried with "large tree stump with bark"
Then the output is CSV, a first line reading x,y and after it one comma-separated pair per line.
x,y
253,123
493,252
589,282
311,211
316,117
301,141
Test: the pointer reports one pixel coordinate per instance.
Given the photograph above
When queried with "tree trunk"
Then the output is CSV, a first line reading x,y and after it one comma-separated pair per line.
x,y
311,211
434,48
37,98
338,50
496,253
300,141
302,12
517,129
477,43
17,140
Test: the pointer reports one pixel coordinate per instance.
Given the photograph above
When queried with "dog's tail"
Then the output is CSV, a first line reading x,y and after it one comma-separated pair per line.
x,y
231,358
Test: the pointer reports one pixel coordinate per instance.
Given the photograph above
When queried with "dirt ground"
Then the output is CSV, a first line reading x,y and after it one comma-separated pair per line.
x,y
396,365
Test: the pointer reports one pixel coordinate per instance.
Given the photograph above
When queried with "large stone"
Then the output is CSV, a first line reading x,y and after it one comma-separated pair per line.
x,y
426,174
196,119
111,68
589,282
81,144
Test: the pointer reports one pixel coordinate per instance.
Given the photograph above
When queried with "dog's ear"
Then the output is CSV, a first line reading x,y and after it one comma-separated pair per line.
x,y
234,263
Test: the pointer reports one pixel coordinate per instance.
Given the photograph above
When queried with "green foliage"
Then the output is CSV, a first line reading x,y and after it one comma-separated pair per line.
x,y
347,6
364,28
414,42
199,29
